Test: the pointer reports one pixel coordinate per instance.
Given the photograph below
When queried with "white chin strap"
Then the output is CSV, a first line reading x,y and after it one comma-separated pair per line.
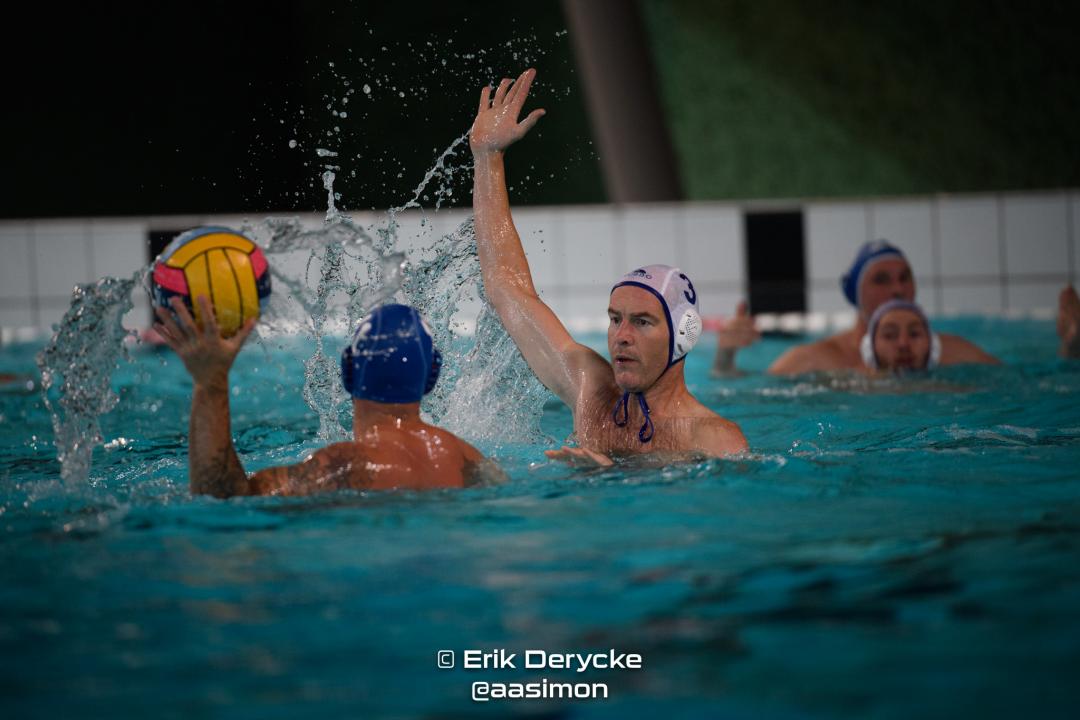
x,y
687,333
866,349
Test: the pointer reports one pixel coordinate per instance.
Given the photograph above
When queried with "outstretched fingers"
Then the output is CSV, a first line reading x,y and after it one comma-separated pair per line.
x,y
166,327
485,99
500,92
520,89
182,316
527,124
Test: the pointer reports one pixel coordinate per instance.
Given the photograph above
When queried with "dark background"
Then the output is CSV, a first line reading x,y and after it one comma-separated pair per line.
x,y
169,108
176,108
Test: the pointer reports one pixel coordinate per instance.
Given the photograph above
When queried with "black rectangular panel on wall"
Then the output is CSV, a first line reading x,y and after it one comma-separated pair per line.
x,y
775,261
158,240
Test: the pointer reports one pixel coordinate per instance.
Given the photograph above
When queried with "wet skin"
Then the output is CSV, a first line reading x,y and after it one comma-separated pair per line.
x,y
638,338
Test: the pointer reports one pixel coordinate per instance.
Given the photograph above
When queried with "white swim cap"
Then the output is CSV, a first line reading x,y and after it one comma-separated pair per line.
x,y
866,345
678,298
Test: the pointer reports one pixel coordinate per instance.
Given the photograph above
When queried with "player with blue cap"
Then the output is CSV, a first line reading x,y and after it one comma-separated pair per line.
x,y
392,357
870,254
638,401
388,366
879,273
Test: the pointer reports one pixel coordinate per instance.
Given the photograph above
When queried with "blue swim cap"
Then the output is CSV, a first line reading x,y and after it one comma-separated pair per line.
x,y
868,254
392,357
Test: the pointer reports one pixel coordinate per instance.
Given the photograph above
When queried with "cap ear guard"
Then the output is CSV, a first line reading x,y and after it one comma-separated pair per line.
x,y
687,333
866,349
347,368
436,368
935,351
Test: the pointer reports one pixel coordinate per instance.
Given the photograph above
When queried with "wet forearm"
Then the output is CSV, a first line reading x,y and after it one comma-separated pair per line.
x,y
502,258
724,363
213,466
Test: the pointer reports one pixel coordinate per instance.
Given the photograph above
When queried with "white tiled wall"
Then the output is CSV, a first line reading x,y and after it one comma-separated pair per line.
x,y
834,232
61,257
909,225
1037,234
647,233
986,253
16,271
968,236
712,246
1031,295
1074,234
965,297
589,241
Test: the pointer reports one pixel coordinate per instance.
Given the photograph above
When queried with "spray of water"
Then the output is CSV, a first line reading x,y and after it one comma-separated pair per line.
x,y
326,279
76,370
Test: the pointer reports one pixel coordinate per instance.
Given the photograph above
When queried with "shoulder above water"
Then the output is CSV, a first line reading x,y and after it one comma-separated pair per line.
x,y
719,436
956,350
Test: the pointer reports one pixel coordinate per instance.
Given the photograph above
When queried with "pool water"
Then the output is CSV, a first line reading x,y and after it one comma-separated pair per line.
x,y
891,549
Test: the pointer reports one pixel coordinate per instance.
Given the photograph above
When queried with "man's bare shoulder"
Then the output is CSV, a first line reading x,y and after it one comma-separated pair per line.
x,y
718,436
956,350
825,354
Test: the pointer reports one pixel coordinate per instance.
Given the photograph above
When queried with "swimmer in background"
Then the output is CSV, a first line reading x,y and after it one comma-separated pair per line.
x,y
637,403
1068,323
389,365
899,339
879,273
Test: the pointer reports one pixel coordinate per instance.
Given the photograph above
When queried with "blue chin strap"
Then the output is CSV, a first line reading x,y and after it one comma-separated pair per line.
x,y
645,433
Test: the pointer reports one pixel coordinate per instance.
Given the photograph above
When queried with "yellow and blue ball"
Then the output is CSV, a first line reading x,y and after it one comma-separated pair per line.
x,y
220,263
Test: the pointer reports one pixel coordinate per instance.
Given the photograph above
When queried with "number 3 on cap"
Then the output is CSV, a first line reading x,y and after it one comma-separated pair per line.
x,y
690,294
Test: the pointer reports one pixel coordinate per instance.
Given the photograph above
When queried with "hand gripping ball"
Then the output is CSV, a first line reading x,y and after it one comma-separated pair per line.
x,y
217,262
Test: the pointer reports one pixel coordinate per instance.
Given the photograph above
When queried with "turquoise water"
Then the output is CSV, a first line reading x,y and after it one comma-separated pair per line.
x,y
892,550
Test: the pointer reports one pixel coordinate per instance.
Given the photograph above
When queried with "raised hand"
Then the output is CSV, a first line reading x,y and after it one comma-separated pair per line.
x,y
496,126
206,355
739,331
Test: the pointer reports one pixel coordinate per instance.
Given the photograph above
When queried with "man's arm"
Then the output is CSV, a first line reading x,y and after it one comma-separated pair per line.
x,y
798,360
956,350
1068,323
213,467
330,468
736,333
558,361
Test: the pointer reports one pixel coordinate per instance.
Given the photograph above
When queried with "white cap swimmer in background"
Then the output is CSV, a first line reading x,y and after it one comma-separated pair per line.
x,y
678,299
866,345
869,254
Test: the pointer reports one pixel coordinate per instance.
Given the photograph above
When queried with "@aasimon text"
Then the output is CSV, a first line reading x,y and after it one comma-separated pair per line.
x,y
542,688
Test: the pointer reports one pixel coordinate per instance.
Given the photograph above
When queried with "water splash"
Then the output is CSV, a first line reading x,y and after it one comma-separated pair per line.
x,y
326,279
76,369
486,391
